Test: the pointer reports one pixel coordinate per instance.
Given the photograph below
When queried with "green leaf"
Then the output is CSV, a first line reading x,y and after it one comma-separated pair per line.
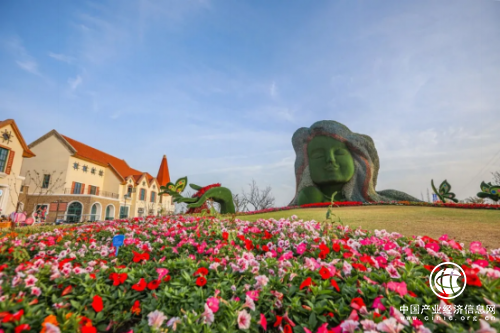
x,y
312,320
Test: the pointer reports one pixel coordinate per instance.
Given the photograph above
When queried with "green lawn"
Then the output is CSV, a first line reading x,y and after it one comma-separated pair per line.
x,y
465,225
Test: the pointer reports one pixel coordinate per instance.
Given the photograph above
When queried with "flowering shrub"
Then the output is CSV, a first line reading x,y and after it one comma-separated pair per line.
x,y
195,274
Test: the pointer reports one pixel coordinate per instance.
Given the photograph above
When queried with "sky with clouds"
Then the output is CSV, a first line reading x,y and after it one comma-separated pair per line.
x,y
221,86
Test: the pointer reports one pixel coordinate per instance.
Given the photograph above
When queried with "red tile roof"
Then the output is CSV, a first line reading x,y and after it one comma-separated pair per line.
x,y
99,157
26,151
163,173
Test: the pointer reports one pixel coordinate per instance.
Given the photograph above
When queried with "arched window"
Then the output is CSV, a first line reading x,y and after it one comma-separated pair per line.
x,y
143,194
153,196
74,212
110,212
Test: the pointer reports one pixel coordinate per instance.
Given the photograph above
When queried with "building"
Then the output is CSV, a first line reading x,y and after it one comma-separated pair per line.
x,y
13,151
72,181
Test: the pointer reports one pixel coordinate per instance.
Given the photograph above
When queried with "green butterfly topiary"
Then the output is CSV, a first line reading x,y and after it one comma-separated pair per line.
x,y
489,191
444,191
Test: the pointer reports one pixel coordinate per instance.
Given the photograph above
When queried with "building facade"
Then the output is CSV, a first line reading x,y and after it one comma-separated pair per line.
x,y
72,181
13,151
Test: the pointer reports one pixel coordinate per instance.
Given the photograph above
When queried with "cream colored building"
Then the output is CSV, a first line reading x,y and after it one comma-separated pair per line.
x,y
13,150
77,182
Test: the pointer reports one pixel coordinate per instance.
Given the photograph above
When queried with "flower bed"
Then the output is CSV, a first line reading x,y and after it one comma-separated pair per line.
x,y
194,274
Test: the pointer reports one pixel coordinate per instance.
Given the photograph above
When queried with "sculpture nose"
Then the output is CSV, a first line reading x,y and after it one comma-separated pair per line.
x,y
330,158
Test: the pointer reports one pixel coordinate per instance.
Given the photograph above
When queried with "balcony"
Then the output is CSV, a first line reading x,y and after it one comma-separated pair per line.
x,y
105,194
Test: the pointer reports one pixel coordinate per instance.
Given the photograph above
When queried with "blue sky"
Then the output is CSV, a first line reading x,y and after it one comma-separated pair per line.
x,y
220,86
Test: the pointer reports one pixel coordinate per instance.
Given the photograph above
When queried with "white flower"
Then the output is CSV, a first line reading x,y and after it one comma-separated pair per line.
x,y
36,291
156,318
51,328
244,320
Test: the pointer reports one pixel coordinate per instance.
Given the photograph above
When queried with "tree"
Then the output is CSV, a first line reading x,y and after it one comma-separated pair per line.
x,y
475,199
41,184
240,204
259,199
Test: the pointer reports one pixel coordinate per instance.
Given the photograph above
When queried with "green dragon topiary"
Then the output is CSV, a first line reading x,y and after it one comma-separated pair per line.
x,y
221,195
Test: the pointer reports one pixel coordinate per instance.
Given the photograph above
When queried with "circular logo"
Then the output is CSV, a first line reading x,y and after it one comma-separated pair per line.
x,y
444,281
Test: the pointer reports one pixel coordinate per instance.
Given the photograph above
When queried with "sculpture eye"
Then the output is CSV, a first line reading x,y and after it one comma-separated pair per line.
x,y
317,154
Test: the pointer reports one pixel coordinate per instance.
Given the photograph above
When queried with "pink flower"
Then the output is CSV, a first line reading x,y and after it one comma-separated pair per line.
x,y
349,325
377,304
477,247
156,318
433,246
485,327
30,281
244,320
161,272
346,268
393,272
399,316
323,328
213,304
390,326
249,303
263,322
36,291
389,246
301,248
262,280
368,325
207,315
398,287
253,294
49,328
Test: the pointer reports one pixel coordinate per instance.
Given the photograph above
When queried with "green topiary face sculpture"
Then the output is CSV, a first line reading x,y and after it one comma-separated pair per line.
x,y
330,162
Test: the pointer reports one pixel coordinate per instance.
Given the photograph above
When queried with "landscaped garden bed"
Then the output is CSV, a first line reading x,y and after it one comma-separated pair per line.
x,y
201,274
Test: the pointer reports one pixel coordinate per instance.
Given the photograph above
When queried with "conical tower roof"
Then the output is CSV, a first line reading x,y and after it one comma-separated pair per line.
x,y
163,173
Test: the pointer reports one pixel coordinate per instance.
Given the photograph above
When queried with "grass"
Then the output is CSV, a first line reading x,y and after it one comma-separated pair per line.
x,y
465,225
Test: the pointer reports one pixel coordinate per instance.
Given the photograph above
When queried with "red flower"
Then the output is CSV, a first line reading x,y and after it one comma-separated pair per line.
x,y
306,283
287,329
89,329
335,285
265,248
357,303
201,281
97,303
412,294
140,286
278,321
201,271
152,285
22,327
325,273
473,280
118,278
136,308
359,267
167,278
248,244
92,276
140,256
67,290
336,247
429,267
225,235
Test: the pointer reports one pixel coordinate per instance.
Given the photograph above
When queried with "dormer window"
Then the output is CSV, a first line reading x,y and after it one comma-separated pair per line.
x,y
85,168
143,183
76,165
92,171
101,173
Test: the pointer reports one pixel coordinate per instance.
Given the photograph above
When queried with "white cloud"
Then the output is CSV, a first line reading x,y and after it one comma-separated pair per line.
x,y
62,57
29,66
74,83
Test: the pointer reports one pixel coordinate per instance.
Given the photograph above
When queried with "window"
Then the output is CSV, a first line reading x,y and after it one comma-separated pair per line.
x,y
101,173
77,189
153,196
123,212
143,194
129,190
46,181
93,190
143,183
76,165
3,159
21,190
85,168
92,171
154,186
